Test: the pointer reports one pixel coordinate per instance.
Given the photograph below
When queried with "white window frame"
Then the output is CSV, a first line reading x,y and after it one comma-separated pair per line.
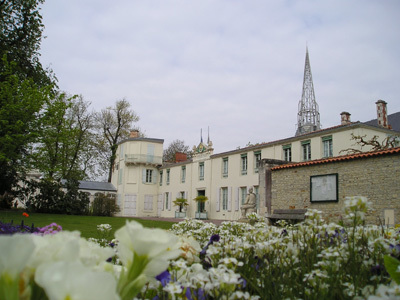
x,y
243,164
183,174
287,153
243,194
201,171
224,197
327,143
225,167
168,176
306,150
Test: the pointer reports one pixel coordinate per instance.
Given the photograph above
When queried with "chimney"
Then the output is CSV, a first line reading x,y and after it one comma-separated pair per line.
x,y
345,118
382,114
134,133
180,157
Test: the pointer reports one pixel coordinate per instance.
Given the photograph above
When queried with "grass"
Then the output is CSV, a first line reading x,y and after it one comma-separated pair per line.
x,y
87,225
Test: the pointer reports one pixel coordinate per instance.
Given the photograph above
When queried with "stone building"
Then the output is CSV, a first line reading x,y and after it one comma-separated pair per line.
x,y
324,185
147,187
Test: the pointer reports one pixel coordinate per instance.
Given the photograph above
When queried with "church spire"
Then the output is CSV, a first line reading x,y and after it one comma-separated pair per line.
x,y
308,115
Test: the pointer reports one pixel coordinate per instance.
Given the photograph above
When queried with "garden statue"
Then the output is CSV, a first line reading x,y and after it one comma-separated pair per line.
x,y
249,205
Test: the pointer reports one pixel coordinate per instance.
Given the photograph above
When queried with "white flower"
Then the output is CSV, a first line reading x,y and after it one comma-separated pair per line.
x,y
146,242
63,246
15,252
73,281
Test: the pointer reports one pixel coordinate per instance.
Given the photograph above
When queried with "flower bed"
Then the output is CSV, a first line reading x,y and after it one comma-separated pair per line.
x,y
197,260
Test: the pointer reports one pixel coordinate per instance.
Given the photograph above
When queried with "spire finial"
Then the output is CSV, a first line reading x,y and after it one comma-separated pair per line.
x,y
308,115
201,135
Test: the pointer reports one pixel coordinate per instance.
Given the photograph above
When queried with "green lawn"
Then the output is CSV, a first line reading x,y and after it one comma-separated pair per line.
x,y
87,225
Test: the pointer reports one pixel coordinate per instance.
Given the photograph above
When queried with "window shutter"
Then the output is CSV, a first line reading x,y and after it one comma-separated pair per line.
x,y
237,199
229,198
217,204
154,179
161,199
144,175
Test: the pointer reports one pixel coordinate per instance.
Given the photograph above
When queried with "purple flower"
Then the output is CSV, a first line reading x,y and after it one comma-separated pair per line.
x,y
197,294
164,278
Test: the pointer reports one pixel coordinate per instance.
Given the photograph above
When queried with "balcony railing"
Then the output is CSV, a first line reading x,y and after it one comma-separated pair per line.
x,y
143,159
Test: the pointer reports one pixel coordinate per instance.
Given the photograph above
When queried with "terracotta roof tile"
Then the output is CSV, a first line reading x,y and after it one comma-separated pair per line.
x,y
338,158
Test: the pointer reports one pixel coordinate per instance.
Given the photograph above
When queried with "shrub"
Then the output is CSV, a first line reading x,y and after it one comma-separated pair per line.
x,y
104,205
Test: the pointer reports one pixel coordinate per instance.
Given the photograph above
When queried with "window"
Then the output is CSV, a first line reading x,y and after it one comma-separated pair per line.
x,y
225,167
224,196
243,194
168,176
243,164
166,201
257,160
306,145
149,175
327,143
183,174
287,152
201,171
148,202
161,177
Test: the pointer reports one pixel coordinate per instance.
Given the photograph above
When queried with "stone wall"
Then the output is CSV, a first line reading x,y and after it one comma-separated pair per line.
x,y
377,178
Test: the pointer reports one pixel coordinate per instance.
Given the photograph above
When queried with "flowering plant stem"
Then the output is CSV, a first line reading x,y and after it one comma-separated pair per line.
x,y
132,280
8,288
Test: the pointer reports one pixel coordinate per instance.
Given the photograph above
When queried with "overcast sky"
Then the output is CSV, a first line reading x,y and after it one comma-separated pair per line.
x,y
233,66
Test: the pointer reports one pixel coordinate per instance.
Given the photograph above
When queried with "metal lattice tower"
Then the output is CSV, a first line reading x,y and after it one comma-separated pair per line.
x,y
308,115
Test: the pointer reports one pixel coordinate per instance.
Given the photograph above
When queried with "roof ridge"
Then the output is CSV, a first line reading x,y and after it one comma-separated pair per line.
x,y
338,158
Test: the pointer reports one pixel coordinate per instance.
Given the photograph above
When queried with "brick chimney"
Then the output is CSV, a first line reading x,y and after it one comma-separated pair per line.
x,y
345,118
382,114
134,133
180,157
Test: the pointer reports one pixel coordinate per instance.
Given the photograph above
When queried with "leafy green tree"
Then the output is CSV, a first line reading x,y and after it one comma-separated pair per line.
x,y
24,86
21,101
64,149
21,31
114,125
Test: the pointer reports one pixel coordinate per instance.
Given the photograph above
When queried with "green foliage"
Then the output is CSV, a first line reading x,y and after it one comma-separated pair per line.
x,y
392,267
21,101
48,196
20,37
181,202
201,198
65,146
104,205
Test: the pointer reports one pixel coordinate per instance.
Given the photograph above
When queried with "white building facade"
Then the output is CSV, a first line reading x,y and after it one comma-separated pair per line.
x,y
147,187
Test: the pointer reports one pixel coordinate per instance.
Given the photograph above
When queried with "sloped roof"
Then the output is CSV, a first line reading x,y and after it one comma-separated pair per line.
x,y
393,120
97,186
339,158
